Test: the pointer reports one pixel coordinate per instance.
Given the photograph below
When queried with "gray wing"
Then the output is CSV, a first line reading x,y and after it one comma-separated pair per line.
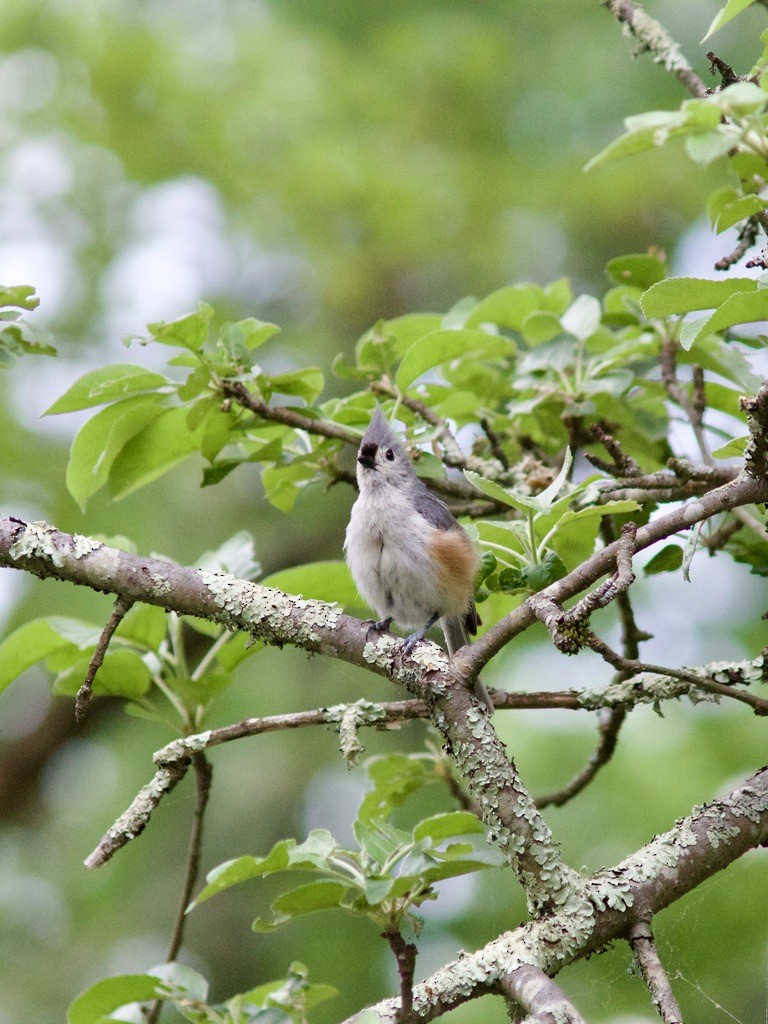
x,y
433,510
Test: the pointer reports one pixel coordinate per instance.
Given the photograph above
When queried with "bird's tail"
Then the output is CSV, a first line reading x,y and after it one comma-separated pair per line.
x,y
456,636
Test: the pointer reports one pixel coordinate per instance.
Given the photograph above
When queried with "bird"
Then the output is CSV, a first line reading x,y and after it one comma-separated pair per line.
x,y
411,560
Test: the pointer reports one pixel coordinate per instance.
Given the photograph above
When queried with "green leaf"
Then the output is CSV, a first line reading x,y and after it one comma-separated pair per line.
x,y
679,295
106,384
377,888
741,308
443,346
582,318
285,855
725,14
237,341
144,625
100,440
154,450
379,839
304,899
39,639
508,307
522,502
319,581
669,559
95,1004
534,577
293,995
444,826
719,199
20,295
740,99
547,496
738,210
283,482
306,384
394,778
734,448
706,147
640,138
122,674
184,981
190,331
540,327
456,317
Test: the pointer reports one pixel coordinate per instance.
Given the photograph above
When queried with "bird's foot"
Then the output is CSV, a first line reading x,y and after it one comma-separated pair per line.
x,y
380,626
410,641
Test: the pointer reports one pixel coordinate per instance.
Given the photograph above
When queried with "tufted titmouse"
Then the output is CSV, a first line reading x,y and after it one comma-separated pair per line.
x,y
410,559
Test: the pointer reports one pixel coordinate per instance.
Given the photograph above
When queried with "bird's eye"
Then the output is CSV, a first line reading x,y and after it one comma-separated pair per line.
x,y
390,454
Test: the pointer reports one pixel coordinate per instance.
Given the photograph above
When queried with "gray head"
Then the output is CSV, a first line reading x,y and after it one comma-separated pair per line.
x,y
382,459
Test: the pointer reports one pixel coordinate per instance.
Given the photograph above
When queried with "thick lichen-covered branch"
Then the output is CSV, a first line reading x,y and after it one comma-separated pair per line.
x,y
280,618
615,698
603,908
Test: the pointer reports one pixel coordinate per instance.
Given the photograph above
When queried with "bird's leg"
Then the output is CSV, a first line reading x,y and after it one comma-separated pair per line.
x,y
378,627
410,642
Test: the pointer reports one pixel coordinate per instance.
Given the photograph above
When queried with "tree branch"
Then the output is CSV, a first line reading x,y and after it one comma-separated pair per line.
x,y
619,696
286,414
84,694
493,780
203,779
542,999
654,975
746,489
670,866
405,956
428,673
654,38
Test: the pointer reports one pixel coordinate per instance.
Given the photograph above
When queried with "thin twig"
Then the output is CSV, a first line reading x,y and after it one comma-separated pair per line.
x,y
610,722
405,955
747,237
654,974
654,38
569,629
718,66
622,465
203,779
678,393
286,414
495,442
634,667
84,694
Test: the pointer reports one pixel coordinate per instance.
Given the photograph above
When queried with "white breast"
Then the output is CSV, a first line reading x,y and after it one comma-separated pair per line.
x,y
387,549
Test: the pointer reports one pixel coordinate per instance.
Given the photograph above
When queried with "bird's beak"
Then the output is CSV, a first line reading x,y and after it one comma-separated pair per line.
x,y
367,461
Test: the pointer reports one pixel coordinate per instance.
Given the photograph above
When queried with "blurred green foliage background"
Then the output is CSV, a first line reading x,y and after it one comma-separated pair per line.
x,y
323,165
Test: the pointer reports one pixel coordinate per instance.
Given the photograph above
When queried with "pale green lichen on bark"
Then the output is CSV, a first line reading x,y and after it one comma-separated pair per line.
x,y
132,821
82,545
37,540
179,750
352,717
651,687
246,604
